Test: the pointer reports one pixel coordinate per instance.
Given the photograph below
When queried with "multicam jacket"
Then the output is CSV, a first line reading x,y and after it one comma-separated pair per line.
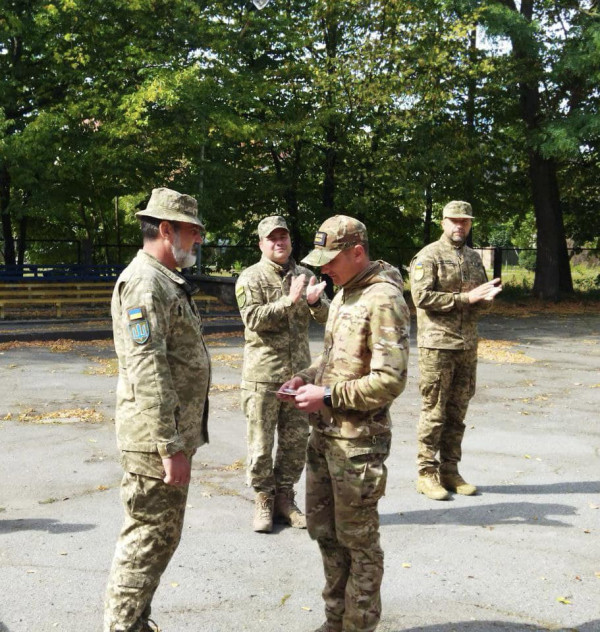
x,y
365,355
276,329
164,366
441,275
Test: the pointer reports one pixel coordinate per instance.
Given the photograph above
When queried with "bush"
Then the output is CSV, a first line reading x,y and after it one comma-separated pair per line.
x,y
527,260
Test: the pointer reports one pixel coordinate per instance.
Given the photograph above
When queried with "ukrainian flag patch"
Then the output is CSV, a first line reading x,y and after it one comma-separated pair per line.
x,y
135,313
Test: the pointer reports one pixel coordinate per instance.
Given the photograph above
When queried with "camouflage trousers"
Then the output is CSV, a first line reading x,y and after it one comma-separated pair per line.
x,y
150,534
447,383
265,415
345,478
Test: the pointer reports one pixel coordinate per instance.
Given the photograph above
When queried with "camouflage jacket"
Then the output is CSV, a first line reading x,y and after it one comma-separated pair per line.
x,y
441,275
365,354
276,330
164,366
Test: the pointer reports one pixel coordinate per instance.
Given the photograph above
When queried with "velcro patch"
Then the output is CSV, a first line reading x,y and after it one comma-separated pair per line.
x,y
320,238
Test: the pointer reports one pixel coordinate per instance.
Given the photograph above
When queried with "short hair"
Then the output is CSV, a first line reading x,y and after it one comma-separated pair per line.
x,y
149,227
365,244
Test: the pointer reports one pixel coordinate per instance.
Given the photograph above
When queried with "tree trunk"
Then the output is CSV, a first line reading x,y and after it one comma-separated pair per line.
x,y
7,233
22,240
428,216
552,269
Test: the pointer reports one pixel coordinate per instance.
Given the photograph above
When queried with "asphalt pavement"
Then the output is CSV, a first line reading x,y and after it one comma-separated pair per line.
x,y
524,554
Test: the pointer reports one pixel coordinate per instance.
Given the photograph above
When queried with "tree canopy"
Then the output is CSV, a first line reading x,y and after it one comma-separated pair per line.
x,y
382,109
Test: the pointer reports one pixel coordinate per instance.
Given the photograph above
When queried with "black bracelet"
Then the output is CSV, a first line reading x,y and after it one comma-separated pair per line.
x,y
327,397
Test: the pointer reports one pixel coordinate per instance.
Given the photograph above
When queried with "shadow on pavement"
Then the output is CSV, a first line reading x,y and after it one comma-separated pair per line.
x,y
581,487
485,515
51,526
490,626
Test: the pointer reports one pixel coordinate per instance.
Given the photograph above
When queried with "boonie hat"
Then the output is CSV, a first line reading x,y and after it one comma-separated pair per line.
x,y
458,210
267,225
171,206
337,233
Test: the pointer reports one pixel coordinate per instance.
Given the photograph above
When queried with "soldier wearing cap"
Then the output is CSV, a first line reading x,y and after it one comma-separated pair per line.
x,y
162,403
449,287
277,299
348,392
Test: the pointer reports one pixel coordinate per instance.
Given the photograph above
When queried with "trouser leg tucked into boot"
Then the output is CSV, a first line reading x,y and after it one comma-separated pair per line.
x,y
453,481
263,513
286,510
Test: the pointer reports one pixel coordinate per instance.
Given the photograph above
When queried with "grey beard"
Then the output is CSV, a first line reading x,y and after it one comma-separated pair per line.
x,y
182,258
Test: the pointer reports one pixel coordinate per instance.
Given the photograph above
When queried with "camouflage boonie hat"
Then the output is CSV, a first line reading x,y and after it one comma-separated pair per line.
x,y
267,225
171,206
337,233
458,210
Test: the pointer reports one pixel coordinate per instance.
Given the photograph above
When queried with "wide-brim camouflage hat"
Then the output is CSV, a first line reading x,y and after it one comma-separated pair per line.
x,y
335,234
172,206
458,210
267,225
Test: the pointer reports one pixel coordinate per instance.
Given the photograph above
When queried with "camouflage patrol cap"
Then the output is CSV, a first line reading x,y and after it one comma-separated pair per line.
x,y
337,233
267,225
458,210
171,206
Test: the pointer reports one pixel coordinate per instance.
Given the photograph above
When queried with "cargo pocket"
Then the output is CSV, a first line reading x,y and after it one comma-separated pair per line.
x,y
365,478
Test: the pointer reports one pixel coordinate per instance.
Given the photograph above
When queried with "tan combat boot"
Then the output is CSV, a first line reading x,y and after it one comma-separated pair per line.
x,y
149,626
286,509
452,480
263,513
428,483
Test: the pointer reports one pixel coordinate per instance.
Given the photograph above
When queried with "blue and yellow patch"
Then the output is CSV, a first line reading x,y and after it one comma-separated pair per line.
x,y
418,271
139,327
320,238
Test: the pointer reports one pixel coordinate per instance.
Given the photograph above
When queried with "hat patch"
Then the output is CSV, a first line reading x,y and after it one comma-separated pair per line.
x,y
320,238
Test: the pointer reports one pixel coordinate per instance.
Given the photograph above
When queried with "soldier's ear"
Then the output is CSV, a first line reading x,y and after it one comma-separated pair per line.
x,y
166,229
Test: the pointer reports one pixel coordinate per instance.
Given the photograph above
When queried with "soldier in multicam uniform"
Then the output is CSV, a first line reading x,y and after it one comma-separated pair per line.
x,y
449,287
348,392
277,300
162,403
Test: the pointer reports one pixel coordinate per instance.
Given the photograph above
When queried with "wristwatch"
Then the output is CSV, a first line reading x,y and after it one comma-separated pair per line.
x,y
327,396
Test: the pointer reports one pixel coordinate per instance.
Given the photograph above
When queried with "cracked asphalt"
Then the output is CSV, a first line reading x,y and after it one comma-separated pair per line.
x,y
524,554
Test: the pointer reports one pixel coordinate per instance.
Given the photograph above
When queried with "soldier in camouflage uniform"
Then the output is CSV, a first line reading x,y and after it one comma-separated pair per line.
x,y
277,300
449,287
348,392
162,403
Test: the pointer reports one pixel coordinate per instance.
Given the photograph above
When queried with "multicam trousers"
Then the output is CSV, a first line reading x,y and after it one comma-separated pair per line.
x,y
344,481
266,414
447,383
150,534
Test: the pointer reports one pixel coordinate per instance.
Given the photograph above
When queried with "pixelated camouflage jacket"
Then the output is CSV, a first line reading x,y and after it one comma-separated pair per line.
x,y
365,354
441,275
276,329
164,366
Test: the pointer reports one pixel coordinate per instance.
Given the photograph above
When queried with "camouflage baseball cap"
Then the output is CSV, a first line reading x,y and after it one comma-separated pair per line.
x,y
335,234
267,225
171,206
458,210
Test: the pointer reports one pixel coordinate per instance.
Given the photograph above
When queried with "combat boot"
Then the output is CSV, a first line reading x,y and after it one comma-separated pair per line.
x,y
286,510
263,513
428,483
453,481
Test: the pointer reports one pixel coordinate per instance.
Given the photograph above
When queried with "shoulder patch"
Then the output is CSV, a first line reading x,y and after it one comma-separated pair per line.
x,y
135,313
240,295
418,271
140,331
